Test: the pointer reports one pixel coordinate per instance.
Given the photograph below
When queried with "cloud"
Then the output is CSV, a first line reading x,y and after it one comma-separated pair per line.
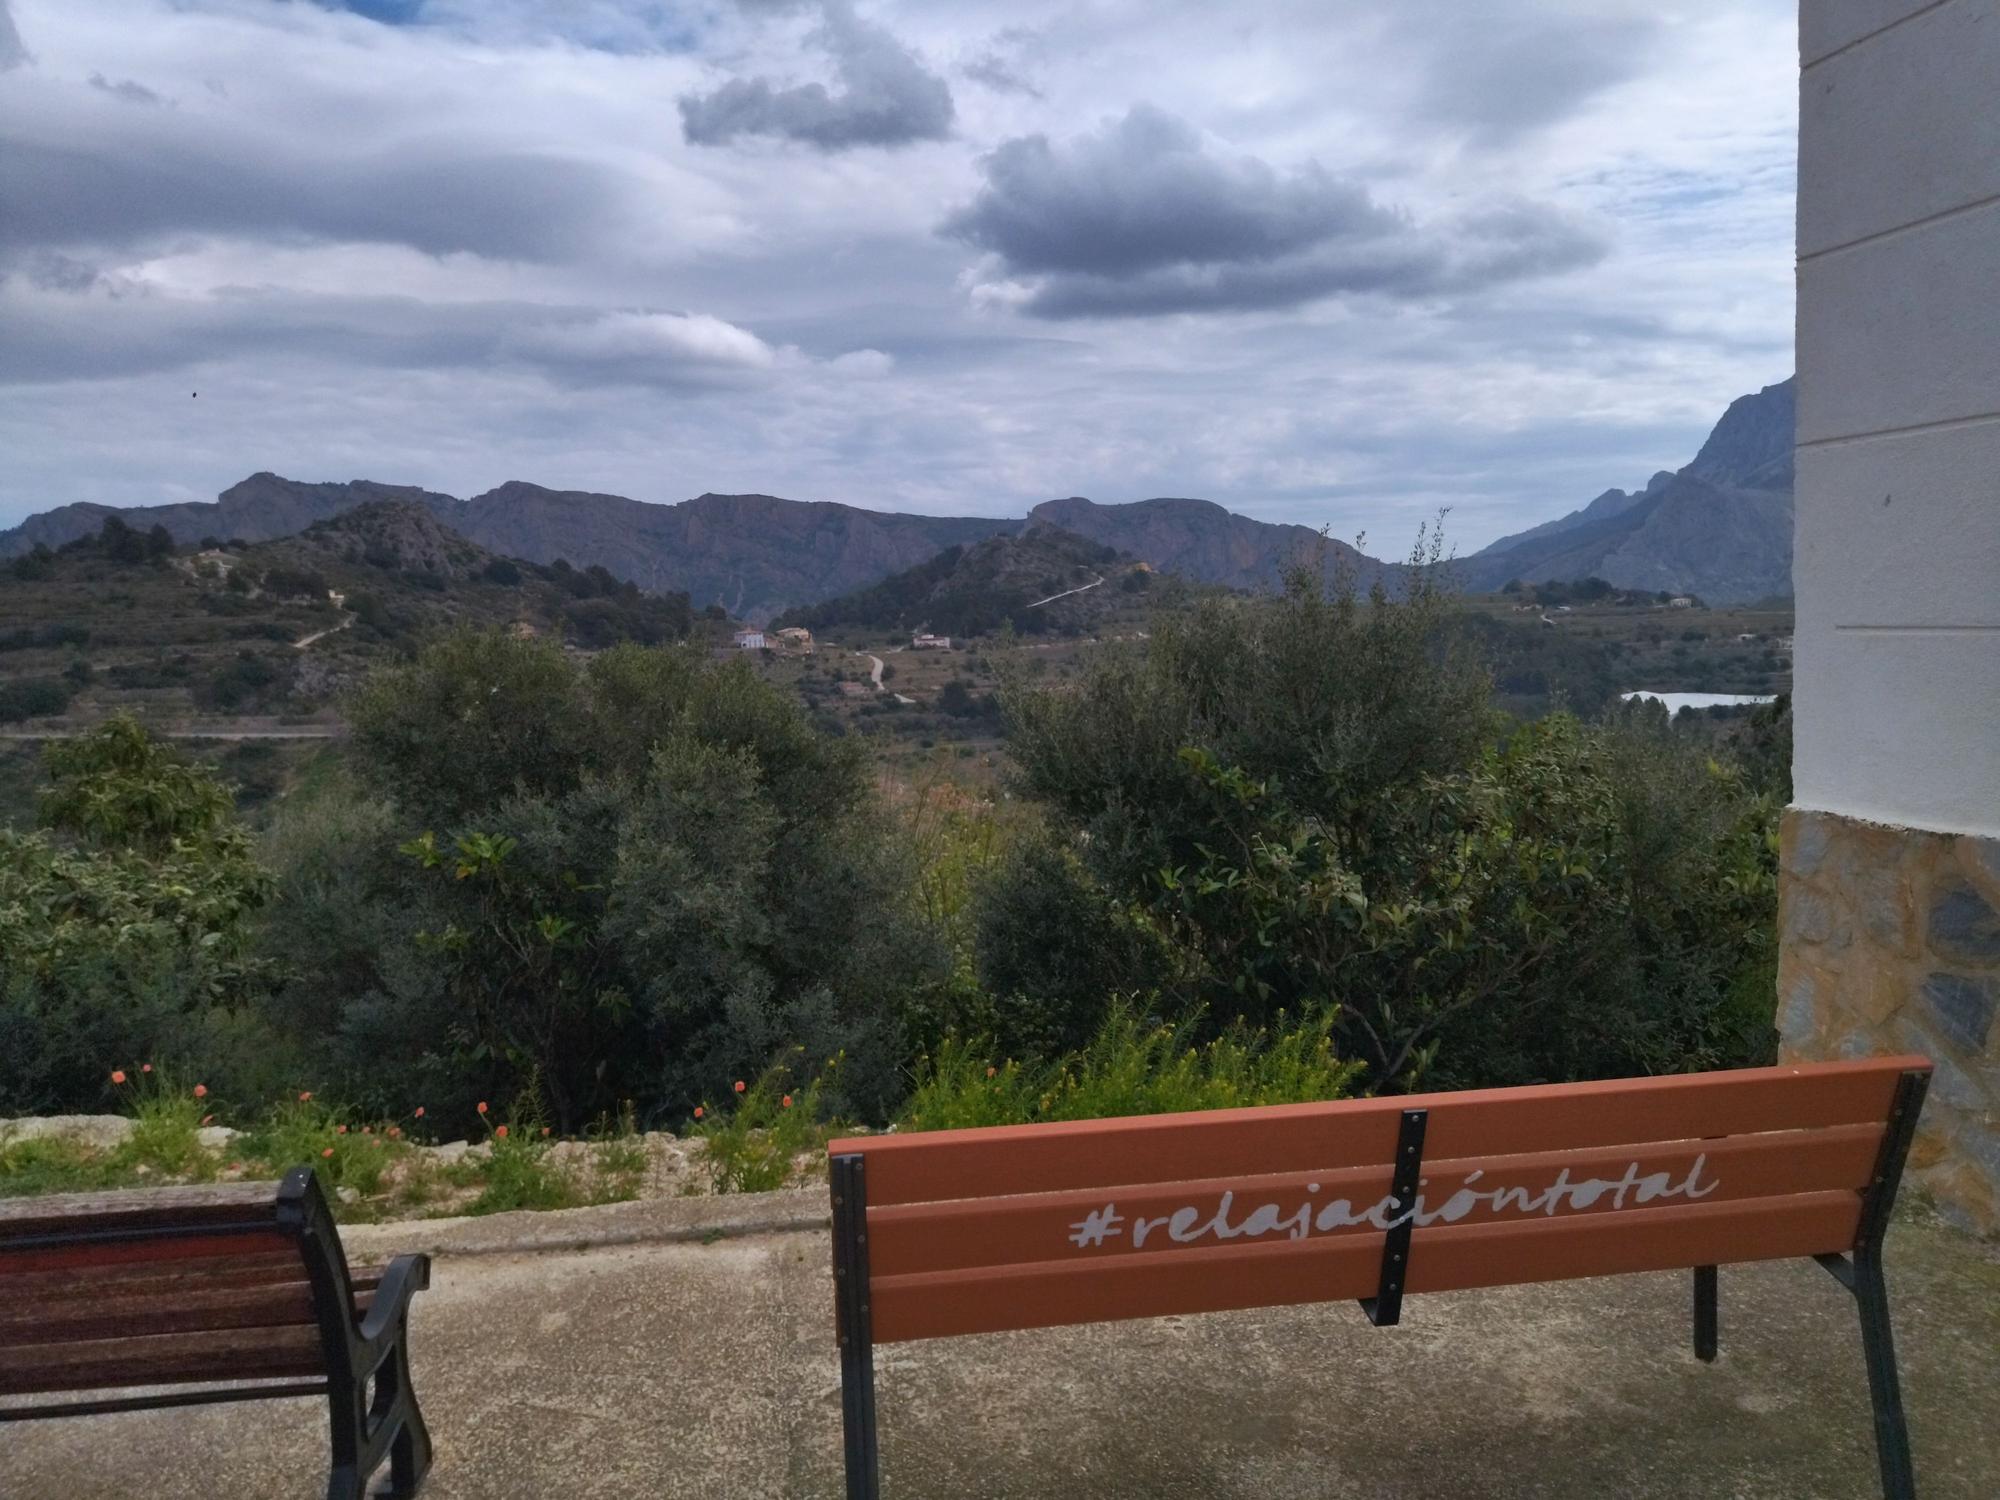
x,y
887,96
1528,67
1143,217
125,88
12,53
100,184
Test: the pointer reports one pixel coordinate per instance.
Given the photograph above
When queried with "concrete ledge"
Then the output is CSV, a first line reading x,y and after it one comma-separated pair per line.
x,y
654,1221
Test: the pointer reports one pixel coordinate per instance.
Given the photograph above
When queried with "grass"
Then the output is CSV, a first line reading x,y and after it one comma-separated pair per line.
x,y
369,1169
767,1136
1132,1066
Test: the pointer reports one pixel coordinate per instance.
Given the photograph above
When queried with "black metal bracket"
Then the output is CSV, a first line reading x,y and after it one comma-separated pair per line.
x,y
1385,1308
855,1326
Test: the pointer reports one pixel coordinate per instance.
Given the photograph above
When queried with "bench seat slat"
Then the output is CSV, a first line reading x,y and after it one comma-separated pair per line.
x,y
952,1164
954,1235
161,1359
940,1304
259,1269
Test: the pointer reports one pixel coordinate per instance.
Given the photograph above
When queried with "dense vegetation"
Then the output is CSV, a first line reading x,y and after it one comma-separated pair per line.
x,y
1287,847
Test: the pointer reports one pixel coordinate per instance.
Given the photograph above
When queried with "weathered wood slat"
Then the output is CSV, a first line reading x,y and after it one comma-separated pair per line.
x,y
163,1359
946,1165
235,1270
162,1208
89,1255
169,1310
912,1238
940,1304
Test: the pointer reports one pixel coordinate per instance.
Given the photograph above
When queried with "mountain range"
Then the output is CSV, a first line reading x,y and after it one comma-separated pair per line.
x,y
1721,527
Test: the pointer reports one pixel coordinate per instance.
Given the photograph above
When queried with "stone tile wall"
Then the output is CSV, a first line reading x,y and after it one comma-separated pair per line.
x,y
1891,943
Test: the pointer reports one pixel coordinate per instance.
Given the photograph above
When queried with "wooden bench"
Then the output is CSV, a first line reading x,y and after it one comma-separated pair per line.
x,y
204,1294
977,1231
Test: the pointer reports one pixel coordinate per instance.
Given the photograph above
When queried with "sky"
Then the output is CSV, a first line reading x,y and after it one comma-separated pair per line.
x,y
1342,264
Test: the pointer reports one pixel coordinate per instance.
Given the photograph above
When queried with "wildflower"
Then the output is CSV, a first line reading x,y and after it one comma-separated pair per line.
x,y
786,1101
201,1091
500,1132
990,1071
482,1106
236,1166
117,1075
699,1111
145,1067
395,1132
327,1152
340,1130
306,1097
420,1111
545,1130
739,1085
367,1129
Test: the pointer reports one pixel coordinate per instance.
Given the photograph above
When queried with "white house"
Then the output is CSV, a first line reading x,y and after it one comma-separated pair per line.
x,y
749,640
1890,871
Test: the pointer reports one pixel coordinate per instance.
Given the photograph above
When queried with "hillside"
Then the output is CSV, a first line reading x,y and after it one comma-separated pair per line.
x,y
1721,527
752,554
121,619
1204,543
1044,580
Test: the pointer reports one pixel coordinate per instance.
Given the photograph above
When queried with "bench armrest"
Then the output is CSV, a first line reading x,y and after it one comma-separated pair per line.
x,y
405,1277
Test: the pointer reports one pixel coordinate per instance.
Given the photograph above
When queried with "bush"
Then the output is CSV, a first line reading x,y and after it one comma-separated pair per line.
x,y
628,882
33,698
1310,801
1131,1066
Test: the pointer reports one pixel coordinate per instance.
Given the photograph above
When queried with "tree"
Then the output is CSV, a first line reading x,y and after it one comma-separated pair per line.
x,y
635,880
1311,800
125,928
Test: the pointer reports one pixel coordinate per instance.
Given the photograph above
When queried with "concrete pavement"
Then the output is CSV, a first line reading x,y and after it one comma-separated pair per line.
x,y
633,1352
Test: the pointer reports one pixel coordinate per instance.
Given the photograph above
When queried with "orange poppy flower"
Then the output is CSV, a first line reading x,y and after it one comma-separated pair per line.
x,y
201,1091
395,1131
420,1111
739,1085
117,1075
545,1130
305,1097
482,1106
340,1130
787,1101
145,1067
699,1111
500,1132
327,1152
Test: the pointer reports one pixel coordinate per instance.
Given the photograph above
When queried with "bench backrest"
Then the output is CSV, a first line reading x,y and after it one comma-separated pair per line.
x,y
169,1285
973,1231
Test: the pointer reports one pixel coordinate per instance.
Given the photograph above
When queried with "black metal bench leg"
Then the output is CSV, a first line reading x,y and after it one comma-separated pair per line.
x,y
410,1447
1878,1346
856,1328
1706,1315
347,1422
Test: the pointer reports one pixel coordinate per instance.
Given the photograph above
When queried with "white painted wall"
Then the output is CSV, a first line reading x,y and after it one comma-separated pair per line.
x,y
1897,570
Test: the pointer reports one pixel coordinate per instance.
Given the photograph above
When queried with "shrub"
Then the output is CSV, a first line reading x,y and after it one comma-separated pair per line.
x,y
1133,1065
765,1136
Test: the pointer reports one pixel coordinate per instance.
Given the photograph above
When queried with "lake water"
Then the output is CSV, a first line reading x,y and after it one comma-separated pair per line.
x,y
1675,702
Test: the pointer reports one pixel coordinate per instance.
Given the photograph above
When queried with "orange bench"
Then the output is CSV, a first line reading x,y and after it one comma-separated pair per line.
x,y
184,1296
1033,1226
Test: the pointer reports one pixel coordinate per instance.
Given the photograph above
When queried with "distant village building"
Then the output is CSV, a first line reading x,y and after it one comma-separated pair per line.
x,y
1680,601
796,638
749,640
930,643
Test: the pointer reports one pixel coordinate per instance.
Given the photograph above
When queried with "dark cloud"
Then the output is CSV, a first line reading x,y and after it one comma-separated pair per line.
x,y
12,53
125,88
125,187
1144,218
887,96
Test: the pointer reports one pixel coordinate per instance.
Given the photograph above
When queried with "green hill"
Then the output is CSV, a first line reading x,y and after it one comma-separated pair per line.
x,y
1043,580
123,619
